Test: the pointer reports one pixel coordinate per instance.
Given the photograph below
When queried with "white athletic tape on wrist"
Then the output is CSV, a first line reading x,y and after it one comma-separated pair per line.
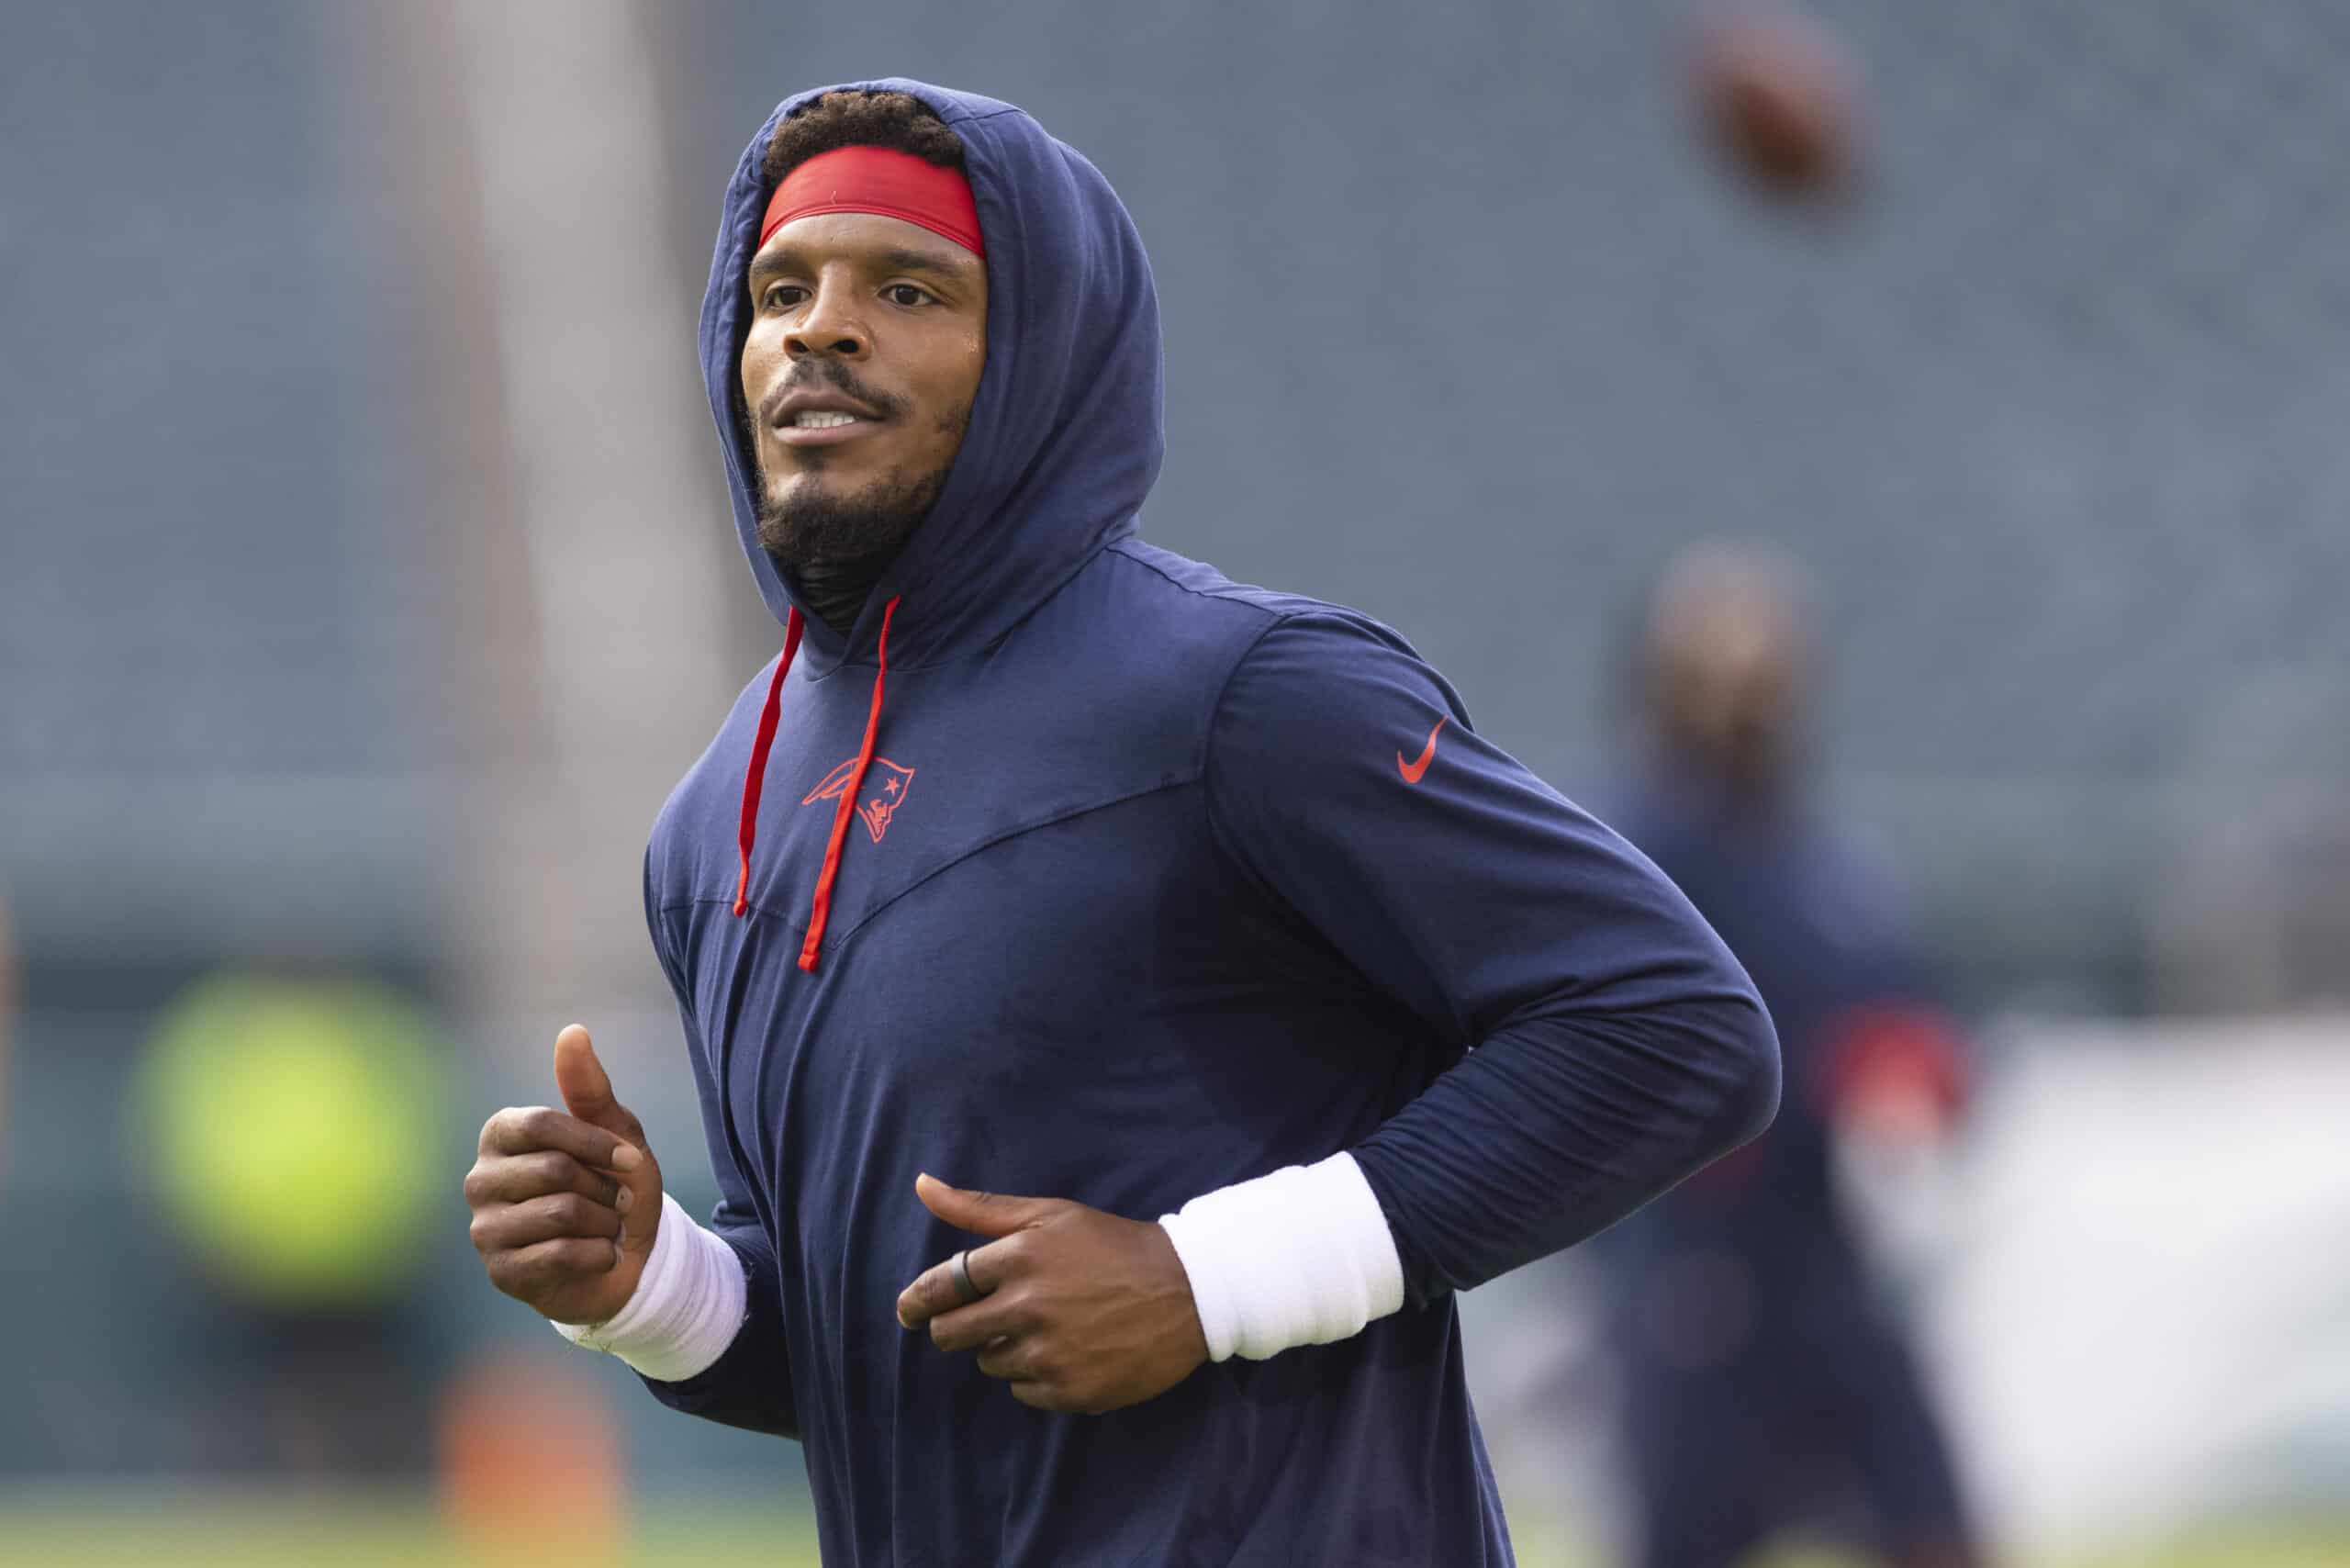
x,y
687,1308
1300,1256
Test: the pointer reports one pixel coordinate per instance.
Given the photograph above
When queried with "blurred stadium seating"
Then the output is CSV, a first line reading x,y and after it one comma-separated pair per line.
x,y
1461,329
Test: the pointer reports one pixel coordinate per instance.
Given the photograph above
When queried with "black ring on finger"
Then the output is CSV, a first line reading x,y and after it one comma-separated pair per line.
x,y
959,1267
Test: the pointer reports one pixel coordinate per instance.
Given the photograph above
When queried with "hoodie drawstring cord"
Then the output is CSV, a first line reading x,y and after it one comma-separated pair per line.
x,y
821,907
751,781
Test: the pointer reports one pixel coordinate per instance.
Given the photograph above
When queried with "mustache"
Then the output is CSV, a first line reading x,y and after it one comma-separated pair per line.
x,y
830,373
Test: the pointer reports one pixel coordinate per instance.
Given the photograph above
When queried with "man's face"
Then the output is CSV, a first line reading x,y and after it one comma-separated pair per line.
x,y
1729,670
868,337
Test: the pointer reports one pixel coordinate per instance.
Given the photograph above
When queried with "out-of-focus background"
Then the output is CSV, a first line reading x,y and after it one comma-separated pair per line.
x,y
366,581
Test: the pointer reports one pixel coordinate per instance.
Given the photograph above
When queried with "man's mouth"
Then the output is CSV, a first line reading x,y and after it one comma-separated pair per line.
x,y
831,431
821,418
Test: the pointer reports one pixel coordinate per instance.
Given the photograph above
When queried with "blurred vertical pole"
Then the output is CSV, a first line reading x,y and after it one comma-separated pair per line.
x,y
595,336
578,538
8,1017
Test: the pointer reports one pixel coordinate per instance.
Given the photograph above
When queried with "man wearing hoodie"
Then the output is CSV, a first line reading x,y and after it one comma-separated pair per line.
x,y
1197,916
1766,1370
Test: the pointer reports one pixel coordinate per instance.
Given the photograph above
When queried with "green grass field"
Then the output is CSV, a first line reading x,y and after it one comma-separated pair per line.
x,y
76,1527
359,1529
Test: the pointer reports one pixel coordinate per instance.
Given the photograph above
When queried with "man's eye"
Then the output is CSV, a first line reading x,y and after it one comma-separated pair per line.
x,y
906,294
781,295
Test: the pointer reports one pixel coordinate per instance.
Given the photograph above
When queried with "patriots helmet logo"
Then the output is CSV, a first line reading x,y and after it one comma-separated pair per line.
x,y
885,789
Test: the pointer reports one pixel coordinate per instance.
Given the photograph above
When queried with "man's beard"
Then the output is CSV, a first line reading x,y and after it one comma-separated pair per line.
x,y
832,547
819,526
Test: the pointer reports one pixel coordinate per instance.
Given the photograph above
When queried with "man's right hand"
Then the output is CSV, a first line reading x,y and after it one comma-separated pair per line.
x,y
567,1206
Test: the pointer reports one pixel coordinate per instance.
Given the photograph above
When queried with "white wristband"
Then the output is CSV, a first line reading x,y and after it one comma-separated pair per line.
x,y
687,1308
1300,1256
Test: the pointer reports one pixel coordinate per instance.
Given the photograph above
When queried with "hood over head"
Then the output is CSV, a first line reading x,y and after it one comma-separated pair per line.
x,y
1068,432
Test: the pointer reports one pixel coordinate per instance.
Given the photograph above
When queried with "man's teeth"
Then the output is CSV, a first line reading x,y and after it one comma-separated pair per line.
x,y
820,419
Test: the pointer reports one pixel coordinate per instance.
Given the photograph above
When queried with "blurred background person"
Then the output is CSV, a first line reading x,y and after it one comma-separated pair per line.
x,y
1768,1373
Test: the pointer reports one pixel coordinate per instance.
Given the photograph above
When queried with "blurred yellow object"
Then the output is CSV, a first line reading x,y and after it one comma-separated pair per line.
x,y
289,1129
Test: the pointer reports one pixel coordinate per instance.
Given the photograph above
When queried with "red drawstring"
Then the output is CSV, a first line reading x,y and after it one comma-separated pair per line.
x,y
823,907
749,833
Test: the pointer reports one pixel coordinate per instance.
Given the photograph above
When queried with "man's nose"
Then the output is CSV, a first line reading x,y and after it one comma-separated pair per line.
x,y
830,327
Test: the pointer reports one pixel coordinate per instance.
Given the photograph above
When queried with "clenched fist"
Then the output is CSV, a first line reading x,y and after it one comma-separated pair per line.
x,y
567,1203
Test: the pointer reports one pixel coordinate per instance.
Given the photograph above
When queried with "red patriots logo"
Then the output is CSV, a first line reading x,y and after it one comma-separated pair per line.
x,y
886,784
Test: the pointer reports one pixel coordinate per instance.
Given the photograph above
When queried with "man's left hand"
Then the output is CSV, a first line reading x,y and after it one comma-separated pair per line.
x,y
1078,1310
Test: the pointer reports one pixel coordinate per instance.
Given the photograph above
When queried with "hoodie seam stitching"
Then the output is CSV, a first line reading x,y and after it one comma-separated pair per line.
x,y
833,942
1218,832
1238,595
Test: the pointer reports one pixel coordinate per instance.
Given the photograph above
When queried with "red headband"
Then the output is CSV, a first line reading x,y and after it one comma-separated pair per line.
x,y
878,180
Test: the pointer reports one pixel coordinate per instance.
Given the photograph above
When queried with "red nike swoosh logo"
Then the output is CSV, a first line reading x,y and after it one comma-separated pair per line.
x,y
1412,770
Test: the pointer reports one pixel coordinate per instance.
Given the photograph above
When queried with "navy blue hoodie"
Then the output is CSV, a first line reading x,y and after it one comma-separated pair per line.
x,y
1153,883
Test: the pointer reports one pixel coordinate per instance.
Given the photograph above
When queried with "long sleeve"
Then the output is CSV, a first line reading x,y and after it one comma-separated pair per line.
x,y
750,1383
1603,1043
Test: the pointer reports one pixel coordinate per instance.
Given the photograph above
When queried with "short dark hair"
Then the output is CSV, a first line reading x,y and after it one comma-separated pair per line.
x,y
861,118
